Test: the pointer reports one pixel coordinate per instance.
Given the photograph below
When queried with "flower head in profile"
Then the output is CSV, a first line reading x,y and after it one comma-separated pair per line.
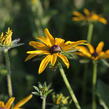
x,y
6,41
52,49
60,99
94,54
8,104
88,16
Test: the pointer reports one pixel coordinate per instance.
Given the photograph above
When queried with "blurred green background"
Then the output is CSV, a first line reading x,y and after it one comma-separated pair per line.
x,y
27,19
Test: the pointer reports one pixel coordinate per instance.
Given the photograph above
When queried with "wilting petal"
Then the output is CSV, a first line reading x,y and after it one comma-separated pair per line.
x,y
53,59
64,59
37,45
86,12
9,102
91,48
83,50
44,63
100,47
49,36
38,52
22,102
30,57
2,104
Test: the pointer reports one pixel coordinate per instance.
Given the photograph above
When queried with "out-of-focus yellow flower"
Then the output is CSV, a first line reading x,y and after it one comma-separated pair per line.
x,y
94,54
6,39
52,48
88,16
9,103
60,99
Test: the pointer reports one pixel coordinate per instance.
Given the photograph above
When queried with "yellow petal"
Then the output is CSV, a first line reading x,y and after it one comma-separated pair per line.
x,y
64,59
102,20
45,41
94,17
37,45
2,104
23,101
38,52
78,18
91,48
49,36
9,102
76,13
44,63
100,46
59,41
83,50
53,59
30,57
86,12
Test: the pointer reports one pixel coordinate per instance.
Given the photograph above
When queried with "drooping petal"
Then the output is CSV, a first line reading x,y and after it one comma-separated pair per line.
x,y
37,45
86,12
44,63
53,58
30,57
78,18
38,52
9,102
2,104
83,50
91,48
64,59
49,36
100,46
23,101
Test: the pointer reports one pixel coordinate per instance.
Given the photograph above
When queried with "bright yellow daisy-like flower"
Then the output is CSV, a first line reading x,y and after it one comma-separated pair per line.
x,y
94,54
88,16
9,103
52,48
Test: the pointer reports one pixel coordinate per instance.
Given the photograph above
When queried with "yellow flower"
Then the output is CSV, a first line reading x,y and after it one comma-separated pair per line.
x,y
94,54
6,39
10,102
52,49
88,16
60,99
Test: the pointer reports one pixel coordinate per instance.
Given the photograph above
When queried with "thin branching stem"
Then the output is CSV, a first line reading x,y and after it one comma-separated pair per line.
x,y
44,103
69,87
8,65
90,32
94,79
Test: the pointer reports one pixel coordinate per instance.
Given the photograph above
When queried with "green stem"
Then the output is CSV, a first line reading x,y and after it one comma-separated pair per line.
x,y
84,88
9,82
69,87
90,32
44,103
94,79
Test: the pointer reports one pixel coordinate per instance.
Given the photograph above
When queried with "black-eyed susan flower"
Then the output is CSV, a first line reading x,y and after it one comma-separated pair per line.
x,y
88,16
8,104
60,99
52,48
94,54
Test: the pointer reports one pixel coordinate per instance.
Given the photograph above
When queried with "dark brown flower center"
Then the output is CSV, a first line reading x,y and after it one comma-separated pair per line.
x,y
55,49
95,54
